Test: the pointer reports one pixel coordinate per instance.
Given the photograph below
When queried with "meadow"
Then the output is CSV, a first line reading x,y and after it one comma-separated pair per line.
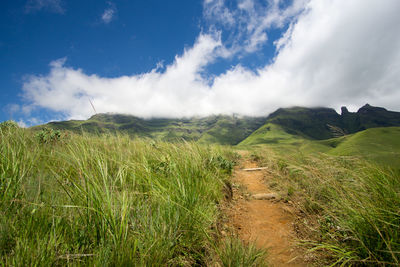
x,y
68,199
113,200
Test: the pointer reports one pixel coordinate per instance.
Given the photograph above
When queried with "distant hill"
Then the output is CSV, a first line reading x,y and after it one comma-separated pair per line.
x,y
306,122
320,123
381,145
227,130
284,126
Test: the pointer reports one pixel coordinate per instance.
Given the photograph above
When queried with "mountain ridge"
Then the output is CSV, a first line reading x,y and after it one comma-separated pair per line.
x,y
222,129
315,123
323,123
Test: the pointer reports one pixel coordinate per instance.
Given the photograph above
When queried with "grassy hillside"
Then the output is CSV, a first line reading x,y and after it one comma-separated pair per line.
x,y
300,122
112,201
313,123
322,123
380,145
227,130
275,137
271,133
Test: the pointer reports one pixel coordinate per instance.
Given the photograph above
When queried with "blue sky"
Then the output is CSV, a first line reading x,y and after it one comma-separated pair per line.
x,y
194,57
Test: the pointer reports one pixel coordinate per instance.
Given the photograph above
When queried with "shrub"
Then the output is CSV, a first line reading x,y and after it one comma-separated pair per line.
x,y
47,135
8,125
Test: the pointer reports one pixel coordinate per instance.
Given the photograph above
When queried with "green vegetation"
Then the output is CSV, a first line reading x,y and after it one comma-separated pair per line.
x,y
379,145
282,142
298,123
225,130
238,254
118,194
270,134
350,208
47,135
112,201
347,188
311,123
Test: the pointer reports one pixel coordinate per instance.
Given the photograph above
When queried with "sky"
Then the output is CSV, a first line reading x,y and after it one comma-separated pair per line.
x,y
70,59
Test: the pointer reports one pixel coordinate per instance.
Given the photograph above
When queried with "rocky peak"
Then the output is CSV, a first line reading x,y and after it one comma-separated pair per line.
x,y
344,110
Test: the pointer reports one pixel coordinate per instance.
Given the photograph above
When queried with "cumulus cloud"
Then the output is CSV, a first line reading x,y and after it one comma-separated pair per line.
x,y
55,6
333,53
178,91
109,13
247,21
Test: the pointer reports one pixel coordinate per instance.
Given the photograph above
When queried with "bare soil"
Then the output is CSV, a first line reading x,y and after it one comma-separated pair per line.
x,y
267,222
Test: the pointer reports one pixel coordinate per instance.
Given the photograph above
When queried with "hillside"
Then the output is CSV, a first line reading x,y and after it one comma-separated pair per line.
x,y
380,145
310,123
119,182
227,130
319,123
271,133
285,125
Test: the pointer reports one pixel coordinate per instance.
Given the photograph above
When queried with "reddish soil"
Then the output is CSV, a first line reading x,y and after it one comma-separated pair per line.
x,y
268,223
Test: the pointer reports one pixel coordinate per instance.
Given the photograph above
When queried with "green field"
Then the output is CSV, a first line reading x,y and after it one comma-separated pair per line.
x,y
68,199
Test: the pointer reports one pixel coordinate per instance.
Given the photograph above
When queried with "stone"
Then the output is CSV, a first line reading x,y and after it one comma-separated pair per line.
x,y
265,196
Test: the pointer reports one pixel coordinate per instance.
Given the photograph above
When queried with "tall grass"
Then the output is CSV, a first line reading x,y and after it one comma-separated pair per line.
x,y
356,205
109,200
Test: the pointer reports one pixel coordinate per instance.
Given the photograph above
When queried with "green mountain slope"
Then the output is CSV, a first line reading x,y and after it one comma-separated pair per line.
x,y
311,123
320,123
378,145
296,125
281,141
229,130
271,133
381,145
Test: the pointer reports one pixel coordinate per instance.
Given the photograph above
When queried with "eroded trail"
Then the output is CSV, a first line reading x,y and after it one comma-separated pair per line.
x,y
267,221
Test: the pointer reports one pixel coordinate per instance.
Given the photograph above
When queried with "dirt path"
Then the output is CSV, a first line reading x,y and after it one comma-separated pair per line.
x,y
267,222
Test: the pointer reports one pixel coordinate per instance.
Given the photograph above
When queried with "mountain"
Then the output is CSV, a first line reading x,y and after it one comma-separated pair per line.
x,y
369,117
306,122
319,123
227,130
285,125
380,145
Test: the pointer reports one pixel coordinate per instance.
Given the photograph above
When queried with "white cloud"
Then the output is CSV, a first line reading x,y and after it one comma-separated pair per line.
x,y
175,92
216,9
22,124
109,13
55,6
334,53
344,52
249,20
12,109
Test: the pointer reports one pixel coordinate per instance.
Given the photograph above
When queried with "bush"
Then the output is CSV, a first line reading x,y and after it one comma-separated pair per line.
x,y
47,135
8,125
